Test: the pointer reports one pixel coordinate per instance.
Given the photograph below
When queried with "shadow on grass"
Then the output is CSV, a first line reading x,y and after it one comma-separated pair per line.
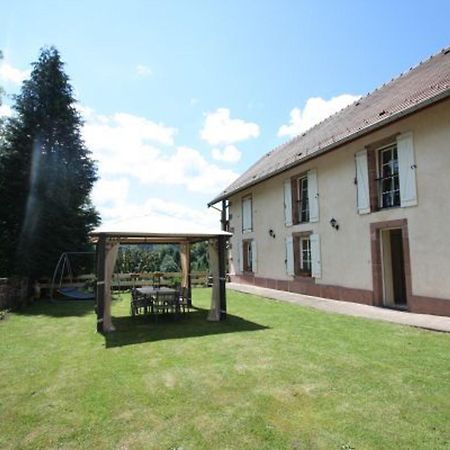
x,y
137,330
58,308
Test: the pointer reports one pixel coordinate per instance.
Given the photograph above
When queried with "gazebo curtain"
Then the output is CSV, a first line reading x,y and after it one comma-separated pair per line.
x,y
184,259
213,250
111,251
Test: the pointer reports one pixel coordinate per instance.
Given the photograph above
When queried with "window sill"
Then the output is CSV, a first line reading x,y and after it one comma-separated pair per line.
x,y
304,276
301,223
389,207
385,208
308,279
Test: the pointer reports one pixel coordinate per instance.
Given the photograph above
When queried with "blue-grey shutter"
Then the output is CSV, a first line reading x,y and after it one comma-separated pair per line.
x,y
313,196
254,257
362,180
316,264
287,203
289,255
407,170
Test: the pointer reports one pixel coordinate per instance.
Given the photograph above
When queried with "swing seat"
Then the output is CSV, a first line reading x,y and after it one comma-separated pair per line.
x,y
76,294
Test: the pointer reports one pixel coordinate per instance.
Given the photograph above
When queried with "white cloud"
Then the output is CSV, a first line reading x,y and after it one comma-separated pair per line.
x,y
229,154
129,146
113,192
133,153
316,109
158,215
220,129
143,71
84,111
12,74
5,111
122,131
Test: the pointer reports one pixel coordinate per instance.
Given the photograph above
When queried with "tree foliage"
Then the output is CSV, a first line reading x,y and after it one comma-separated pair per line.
x,y
2,92
46,174
199,257
155,258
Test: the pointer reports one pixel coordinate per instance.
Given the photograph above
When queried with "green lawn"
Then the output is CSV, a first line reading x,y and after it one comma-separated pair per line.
x,y
273,376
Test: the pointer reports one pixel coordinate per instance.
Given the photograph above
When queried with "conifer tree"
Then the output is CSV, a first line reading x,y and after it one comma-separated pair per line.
x,y
46,174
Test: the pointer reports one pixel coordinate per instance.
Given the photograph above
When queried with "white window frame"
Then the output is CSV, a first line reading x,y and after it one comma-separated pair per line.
x,y
299,182
303,239
247,255
394,163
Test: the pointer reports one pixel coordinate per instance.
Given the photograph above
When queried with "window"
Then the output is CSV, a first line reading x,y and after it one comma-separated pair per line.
x,y
302,199
302,254
247,256
386,174
247,213
305,254
388,181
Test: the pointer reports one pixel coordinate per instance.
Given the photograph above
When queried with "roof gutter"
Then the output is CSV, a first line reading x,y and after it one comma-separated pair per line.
x,y
335,145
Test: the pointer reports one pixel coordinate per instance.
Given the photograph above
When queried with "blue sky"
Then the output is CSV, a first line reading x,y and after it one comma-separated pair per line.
x,y
180,97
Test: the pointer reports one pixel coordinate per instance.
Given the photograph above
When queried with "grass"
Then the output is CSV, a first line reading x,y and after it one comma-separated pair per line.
x,y
273,376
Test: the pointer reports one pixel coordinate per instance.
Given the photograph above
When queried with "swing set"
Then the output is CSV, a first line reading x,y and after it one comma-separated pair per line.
x,y
63,271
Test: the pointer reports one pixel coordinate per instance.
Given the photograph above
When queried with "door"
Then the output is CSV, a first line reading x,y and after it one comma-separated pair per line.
x,y
394,285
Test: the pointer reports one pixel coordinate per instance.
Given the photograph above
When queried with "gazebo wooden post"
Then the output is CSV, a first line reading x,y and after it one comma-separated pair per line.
x,y
185,268
188,256
100,288
223,216
222,240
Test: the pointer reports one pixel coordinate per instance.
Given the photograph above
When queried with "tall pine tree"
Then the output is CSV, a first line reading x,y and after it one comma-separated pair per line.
x,y
46,175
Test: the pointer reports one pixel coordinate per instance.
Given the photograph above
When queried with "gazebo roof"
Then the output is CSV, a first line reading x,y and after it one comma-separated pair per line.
x,y
127,237
144,230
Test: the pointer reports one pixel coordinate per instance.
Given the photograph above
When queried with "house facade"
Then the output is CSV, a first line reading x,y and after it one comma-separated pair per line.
x,y
358,207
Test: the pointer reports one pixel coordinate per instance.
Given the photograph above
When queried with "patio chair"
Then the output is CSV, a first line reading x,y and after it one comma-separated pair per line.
x,y
184,300
156,280
166,302
140,303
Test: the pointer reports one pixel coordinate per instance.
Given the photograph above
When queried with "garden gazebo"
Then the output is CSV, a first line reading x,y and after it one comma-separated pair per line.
x,y
108,242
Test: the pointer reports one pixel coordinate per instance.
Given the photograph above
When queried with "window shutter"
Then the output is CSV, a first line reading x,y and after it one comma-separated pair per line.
x,y
362,179
313,196
407,170
288,203
241,257
246,214
254,258
290,255
316,265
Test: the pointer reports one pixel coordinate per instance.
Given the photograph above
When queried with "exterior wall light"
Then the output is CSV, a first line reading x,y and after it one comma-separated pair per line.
x,y
334,223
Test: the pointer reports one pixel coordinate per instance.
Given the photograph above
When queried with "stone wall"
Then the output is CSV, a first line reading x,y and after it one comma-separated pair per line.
x,y
14,293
